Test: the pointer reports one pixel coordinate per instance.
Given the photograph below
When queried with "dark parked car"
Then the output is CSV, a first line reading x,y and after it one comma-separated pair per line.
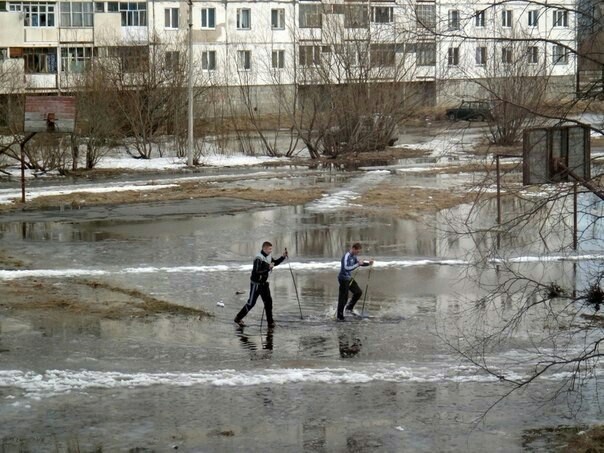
x,y
470,111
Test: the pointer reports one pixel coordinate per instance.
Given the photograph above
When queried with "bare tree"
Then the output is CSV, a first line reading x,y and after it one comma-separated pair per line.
x,y
97,126
511,76
12,103
352,76
149,82
540,296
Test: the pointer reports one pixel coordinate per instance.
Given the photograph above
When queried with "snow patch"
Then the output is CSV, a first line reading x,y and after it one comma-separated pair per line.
x,y
8,196
299,266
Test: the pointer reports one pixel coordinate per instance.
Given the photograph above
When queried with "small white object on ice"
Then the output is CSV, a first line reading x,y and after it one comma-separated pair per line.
x,y
400,428
220,304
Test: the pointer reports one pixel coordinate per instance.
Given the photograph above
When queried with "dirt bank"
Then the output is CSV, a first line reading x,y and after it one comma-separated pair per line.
x,y
409,203
86,297
197,190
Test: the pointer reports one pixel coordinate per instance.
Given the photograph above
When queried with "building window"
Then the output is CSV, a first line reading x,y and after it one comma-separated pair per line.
x,y
560,18
113,7
244,60
133,14
3,53
453,19
40,60
426,54
278,59
506,55
453,56
354,55
382,14
99,7
76,14
278,19
75,59
425,16
244,18
309,55
506,18
310,16
560,55
480,19
208,60
208,17
36,14
533,18
131,59
481,56
171,17
533,55
382,55
172,60
355,16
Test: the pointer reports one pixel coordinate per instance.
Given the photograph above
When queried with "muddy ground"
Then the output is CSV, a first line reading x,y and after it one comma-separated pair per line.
x,y
81,297
420,201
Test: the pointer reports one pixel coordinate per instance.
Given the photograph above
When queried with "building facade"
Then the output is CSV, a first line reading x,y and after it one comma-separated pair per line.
x,y
441,46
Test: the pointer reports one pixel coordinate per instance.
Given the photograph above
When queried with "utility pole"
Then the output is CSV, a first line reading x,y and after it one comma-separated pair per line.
x,y
190,89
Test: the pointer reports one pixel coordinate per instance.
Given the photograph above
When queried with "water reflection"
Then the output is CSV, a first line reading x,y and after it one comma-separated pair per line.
x,y
266,395
59,232
315,345
262,351
363,442
349,344
314,435
426,393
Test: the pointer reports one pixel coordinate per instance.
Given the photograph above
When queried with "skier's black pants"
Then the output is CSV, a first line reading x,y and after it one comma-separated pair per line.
x,y
345,286
256,290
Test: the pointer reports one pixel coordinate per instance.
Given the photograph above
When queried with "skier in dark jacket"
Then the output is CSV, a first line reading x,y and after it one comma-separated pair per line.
x,y
263,265
349,263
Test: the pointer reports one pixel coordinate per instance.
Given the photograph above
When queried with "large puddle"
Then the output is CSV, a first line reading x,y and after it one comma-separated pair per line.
x,y
386,383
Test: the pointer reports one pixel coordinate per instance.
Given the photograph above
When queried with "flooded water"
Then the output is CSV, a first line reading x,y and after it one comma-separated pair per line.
x,y
384,383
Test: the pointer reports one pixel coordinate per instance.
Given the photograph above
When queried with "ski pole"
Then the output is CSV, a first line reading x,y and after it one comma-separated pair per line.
x,y
366,288
295,286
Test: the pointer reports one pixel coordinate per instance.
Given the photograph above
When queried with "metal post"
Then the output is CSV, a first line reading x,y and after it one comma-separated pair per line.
x,y
574,280
575,223
190,89
498,190
498,201
22,146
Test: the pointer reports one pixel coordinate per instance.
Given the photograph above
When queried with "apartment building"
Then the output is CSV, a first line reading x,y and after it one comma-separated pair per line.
x,y
591,46
440,46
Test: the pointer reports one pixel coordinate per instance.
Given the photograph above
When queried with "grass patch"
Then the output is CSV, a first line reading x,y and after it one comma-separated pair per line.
x,y
589,441
10,262
88,297
410,202
149,304
185,191
567,439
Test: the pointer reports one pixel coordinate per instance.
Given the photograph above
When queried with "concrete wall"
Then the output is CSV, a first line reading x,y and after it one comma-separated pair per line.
x,y
452,92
